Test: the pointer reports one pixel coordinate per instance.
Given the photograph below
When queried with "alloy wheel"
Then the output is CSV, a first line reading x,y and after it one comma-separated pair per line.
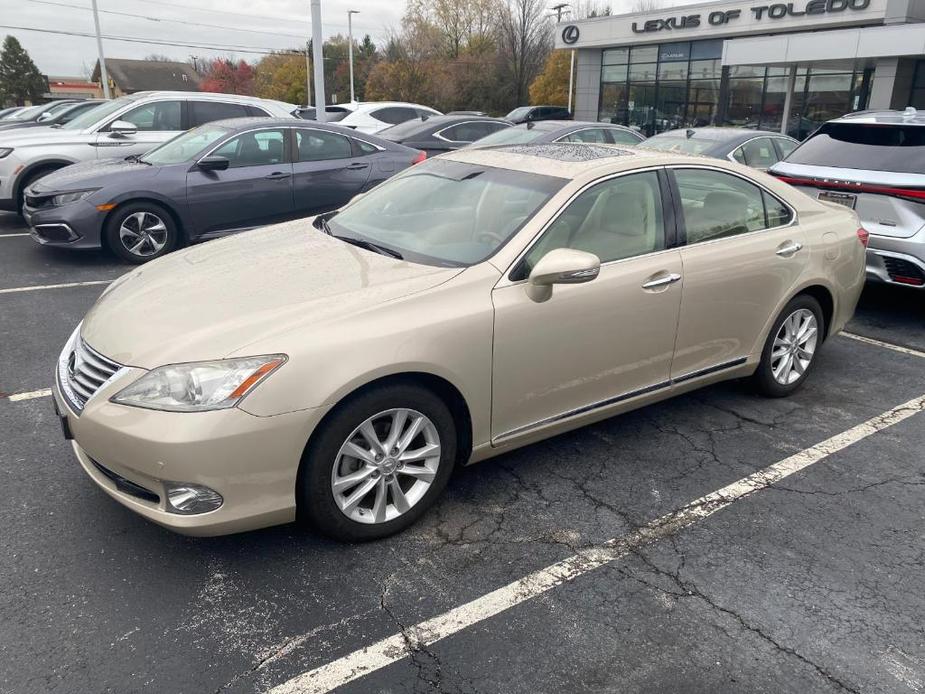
x,y
794,346
386,466
143,234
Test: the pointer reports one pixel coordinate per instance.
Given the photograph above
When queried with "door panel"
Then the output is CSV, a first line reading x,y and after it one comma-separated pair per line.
x,y
326,171
588,343
733,280
256,189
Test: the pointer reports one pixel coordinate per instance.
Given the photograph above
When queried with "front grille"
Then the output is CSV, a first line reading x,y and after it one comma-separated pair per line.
x,y
903,271
82,372
127,486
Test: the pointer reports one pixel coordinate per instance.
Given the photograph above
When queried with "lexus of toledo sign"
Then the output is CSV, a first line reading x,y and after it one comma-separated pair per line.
x,y
570,34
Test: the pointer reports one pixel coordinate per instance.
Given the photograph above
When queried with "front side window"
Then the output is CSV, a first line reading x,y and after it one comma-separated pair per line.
x,y
320,145
202,112
617,219
157,116
446,213
184,147
259,148
716,205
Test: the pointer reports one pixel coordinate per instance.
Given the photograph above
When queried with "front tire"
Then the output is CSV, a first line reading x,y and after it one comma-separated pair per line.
x,y
790,350
141,231
378,463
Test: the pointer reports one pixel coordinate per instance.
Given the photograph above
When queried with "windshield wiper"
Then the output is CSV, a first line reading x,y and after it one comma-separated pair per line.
x,y
137,159
368,245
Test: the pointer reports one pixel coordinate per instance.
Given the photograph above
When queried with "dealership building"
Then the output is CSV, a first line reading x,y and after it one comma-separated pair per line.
x,y
784,66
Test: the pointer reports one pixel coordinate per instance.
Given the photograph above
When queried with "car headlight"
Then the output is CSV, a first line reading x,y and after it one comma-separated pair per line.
x,y
199,386
66,198
5,151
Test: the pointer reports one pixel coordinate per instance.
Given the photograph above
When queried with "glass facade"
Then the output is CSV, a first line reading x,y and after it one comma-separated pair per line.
x,y
917,97
680,85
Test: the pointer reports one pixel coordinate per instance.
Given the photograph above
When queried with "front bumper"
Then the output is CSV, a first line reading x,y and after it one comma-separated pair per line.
x,y
77,225
251,461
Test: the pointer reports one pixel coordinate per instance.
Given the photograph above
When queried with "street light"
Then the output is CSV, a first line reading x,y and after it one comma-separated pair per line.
x,y
350,14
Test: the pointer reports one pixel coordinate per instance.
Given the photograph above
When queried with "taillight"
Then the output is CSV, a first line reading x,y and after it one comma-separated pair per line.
x,y
422,156
916,194
863,237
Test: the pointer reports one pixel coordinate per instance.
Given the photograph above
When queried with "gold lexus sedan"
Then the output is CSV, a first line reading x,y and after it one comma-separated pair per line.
x,y
337,369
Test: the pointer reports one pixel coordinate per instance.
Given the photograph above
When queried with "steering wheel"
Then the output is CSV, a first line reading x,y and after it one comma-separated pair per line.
x,y
488,237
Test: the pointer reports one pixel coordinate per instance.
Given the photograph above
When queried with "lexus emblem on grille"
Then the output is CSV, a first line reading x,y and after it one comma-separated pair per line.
x,y
570,34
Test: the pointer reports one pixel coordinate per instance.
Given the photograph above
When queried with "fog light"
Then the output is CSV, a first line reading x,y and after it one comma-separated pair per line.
x,y
189,499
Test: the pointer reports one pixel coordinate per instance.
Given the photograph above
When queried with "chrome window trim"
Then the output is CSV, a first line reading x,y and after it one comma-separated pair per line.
x,y
780,136
439,133
617,399
794,219
506,281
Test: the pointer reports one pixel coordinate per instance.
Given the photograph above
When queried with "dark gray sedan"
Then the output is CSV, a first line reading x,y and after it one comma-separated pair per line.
x,y
213,180
540,132
759,149
438,134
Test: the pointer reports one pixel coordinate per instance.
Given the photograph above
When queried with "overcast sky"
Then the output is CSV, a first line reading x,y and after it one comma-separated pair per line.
x,y
260,24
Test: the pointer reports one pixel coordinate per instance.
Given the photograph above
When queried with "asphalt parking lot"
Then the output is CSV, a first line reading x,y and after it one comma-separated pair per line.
x,y
718,542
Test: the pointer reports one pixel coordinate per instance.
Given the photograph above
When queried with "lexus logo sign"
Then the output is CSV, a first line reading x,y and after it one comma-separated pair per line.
x,y
570,34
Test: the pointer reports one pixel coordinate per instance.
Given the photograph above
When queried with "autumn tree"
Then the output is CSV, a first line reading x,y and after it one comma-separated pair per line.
x,y
20,79
228,77
551,86
281,76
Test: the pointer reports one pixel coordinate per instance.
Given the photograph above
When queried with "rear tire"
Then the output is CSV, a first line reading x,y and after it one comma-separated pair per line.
x,y
401,471
141,231
791,348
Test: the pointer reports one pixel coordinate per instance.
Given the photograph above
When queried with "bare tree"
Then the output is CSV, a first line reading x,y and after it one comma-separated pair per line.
x,y
158,58
647,5
582,9
526,39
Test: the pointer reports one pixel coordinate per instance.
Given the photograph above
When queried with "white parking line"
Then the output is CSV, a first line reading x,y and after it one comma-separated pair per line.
x,y
31,395
398,646
35,288
885,345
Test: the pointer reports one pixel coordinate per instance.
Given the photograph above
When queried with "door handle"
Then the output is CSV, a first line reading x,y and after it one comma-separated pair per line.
x,y
357,165
662,281
789,248
277,175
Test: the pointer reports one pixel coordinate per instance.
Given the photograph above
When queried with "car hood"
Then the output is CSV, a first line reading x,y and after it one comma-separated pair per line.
x,y
42,136
209,301
92,174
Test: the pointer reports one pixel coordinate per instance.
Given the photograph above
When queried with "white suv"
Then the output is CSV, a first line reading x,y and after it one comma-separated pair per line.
x,y
125,126
373,116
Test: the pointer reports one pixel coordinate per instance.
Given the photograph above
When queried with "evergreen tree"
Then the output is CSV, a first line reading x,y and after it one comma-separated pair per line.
x,y
20,79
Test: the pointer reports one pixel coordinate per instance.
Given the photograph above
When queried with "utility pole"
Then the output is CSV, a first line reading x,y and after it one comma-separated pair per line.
x,y
308,74
558,10
318,55
104,74
350,14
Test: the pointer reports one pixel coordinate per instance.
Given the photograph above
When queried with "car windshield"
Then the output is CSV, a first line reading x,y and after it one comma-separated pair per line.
x,y
895,148
446,213
28,113
88,118
518,113
512,136
682,145
185,146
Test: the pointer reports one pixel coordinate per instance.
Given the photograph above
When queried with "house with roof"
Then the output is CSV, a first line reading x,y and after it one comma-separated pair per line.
x,y
130,76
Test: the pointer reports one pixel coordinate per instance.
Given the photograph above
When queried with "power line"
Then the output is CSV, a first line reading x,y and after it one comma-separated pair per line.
x,y
173,21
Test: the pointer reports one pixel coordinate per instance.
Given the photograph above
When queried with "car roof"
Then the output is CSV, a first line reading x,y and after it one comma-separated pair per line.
x,y
208,96
720,135
909,116
241,124
567,160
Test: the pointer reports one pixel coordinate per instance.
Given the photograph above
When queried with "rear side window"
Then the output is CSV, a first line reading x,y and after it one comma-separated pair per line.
x,y
875,147
470,132
202,112
716,205
759,153
621,137
587,135
365,148
320,145
784,147
394,114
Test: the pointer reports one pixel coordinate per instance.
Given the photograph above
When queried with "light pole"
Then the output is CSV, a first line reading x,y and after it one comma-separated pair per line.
x,y
308,74
104,73
318,56
350,14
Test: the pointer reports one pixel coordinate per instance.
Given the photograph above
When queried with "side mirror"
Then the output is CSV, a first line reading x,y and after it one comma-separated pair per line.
x,y
561,266
44,117
213,163
123,127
